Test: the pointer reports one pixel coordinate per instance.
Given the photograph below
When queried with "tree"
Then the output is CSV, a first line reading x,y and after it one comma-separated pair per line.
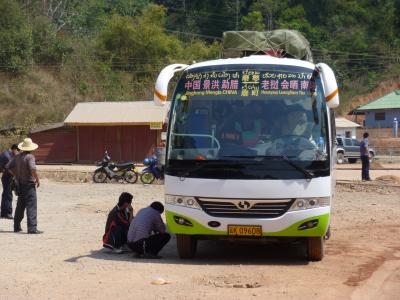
x,y
294,18
15,37
138,43
206,17
60,12
270,10
48,46
127,7
253,21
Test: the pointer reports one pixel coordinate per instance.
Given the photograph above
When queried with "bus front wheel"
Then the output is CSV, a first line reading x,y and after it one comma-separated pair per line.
x,y
187,245
315,248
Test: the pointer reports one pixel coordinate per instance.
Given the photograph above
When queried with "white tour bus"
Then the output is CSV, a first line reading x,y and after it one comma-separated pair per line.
x,y
250,151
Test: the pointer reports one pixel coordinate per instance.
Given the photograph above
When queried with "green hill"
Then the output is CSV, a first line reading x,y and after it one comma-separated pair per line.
x,y
56,53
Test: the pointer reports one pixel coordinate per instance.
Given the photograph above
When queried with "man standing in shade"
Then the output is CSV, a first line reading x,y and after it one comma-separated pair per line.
x,y
23,167
6,181
147,233
365,156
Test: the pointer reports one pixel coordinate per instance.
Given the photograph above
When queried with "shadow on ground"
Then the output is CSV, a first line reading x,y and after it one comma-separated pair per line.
x,y
215,253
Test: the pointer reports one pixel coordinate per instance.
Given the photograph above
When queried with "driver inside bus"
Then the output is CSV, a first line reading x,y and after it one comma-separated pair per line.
x,y
295,135
296,124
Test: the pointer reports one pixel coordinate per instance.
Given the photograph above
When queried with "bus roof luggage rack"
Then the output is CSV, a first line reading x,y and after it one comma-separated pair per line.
x,y
280,43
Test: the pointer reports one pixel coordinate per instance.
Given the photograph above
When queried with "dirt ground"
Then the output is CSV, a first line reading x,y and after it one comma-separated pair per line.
x,y
67,262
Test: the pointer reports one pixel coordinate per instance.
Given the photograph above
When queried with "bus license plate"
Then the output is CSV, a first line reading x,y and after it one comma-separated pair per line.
x,y
244,230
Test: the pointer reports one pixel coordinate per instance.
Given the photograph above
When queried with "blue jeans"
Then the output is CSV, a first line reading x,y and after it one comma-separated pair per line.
x,y
6,196
365,167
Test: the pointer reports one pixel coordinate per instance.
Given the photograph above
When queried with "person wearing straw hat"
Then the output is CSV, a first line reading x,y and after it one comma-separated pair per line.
x,y
23,167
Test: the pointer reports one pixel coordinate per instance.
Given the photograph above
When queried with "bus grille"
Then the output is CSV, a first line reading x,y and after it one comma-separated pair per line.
x,y
252,208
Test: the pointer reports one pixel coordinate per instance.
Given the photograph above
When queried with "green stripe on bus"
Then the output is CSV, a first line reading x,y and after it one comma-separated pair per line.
x,y
291,231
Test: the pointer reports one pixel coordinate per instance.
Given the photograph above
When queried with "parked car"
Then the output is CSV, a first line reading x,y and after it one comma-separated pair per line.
x,y
348,149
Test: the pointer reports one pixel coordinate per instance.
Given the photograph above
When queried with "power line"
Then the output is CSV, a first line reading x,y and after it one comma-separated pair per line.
x,y
350,53
377,68
186,33
355,59
214,19
193,34
197,12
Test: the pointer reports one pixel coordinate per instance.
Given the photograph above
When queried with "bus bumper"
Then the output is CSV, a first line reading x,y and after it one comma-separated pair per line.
x,y
304,223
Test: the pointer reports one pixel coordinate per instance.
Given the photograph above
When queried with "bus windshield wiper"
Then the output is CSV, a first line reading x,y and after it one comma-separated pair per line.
x,y
309,175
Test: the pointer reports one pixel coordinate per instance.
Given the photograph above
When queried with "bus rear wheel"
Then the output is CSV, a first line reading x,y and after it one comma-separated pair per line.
x,y
187,245
315,248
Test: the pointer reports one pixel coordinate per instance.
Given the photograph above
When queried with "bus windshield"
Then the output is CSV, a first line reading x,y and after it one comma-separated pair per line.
x,y
246,113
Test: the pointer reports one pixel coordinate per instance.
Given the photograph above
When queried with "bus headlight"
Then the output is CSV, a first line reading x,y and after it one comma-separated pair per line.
x,y
306,203
189,202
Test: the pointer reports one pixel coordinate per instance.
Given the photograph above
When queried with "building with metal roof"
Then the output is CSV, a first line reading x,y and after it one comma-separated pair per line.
x,y
346,127
381,112
117,113
129,131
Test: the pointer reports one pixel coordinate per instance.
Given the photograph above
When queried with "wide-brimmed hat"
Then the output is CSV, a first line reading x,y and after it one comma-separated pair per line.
x,y
27,145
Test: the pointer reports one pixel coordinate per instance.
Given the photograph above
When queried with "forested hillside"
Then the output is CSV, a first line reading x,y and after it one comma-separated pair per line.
x,y
54,53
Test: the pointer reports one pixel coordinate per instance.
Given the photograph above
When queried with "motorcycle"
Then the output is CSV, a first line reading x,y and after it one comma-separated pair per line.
x,y
152,171
108,169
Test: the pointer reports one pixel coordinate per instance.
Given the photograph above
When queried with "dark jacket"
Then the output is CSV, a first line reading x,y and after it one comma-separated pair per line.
x,y
5,157
116,220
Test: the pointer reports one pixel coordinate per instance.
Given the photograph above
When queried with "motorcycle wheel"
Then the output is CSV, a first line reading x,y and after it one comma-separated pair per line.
x,y
99,177
130,177
147,178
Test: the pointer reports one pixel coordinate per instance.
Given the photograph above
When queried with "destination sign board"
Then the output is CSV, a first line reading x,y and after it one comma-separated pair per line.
x,y
247,83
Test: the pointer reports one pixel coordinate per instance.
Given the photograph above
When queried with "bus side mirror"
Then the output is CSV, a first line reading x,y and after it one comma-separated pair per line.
x,y
161,87
330,85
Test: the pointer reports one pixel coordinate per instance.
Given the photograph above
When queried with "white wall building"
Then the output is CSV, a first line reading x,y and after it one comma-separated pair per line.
x,y
346,128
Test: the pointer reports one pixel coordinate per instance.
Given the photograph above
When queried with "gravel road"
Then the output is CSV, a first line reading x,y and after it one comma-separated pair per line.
x,y
68,262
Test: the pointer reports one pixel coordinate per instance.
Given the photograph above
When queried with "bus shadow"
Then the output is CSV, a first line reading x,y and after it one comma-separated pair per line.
x,y
215,253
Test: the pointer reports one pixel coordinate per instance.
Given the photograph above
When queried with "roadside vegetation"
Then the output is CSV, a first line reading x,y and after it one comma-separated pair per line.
x,y
56,53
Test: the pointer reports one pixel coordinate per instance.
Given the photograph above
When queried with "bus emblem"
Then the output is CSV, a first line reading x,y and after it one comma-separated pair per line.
x,y
244,205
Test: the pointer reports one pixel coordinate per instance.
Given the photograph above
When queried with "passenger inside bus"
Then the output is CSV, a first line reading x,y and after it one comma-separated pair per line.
x,y
249,128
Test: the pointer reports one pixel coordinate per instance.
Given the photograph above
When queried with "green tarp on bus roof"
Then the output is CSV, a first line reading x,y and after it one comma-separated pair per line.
x,y
290,42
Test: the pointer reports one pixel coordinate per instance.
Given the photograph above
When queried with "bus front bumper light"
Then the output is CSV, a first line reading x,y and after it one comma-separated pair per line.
x,y
189,202
307,203
182,221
